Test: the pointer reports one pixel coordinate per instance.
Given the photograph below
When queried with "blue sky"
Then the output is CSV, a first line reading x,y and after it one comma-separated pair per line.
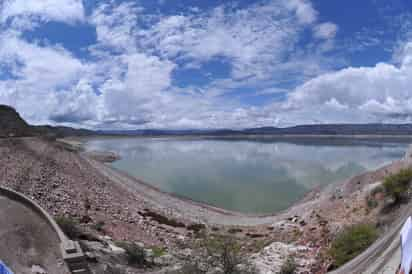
x,y
206,64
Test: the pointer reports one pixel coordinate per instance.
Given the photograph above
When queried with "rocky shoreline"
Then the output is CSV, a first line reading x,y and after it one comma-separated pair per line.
x,y
107,202
305,226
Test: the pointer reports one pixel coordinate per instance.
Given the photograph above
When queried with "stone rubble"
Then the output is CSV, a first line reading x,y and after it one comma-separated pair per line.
x,y
272,257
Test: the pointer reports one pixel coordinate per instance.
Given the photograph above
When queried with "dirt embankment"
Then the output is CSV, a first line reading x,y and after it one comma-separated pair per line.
x,y
67,182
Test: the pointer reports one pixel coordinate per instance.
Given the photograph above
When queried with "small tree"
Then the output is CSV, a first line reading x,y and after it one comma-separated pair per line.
x,y
136,255
289,267
396,185
226,251
227,254
221,252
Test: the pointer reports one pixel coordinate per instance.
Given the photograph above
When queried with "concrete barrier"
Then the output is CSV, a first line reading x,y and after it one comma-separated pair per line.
x,y
71,252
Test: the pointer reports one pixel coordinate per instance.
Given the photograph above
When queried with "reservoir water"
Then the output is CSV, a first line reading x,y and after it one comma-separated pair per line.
x,y
259,175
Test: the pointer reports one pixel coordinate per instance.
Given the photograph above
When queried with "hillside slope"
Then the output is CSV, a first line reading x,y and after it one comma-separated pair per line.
x,y
11,124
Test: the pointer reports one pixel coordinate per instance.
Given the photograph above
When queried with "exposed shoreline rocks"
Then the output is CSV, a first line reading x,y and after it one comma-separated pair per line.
x,y
103,156
271,259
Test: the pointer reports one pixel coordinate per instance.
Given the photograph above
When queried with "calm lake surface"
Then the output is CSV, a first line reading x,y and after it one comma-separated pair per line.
x,y
252,175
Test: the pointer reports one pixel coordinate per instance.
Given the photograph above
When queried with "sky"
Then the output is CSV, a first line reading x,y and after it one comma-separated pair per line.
x,y
187,64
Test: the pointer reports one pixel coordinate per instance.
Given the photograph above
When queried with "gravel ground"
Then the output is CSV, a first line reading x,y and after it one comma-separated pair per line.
x,y
65,184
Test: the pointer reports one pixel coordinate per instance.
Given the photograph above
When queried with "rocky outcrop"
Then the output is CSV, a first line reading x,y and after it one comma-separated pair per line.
x,y
11,124
271,259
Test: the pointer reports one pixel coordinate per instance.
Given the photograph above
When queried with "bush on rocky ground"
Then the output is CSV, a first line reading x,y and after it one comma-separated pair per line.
x,y
162,219
190,268
136,255
219,254
158,251
371,199
396,185
289,267
69,226
371,202
351,242
196,228
113,270
99,226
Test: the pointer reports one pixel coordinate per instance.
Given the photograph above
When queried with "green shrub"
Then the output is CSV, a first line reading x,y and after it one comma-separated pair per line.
x,y
234,230
136,255
158,251
196,227
69,226
371,202
226,253
217,251
99,226
289,267
396,185
371,199
376,190
351,242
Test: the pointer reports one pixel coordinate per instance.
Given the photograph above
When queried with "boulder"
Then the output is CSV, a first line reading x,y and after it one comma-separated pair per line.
x,y
164,260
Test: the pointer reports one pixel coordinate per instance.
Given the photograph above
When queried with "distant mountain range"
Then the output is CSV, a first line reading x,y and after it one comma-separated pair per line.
x,y
166,132
337,129
319,129
11,124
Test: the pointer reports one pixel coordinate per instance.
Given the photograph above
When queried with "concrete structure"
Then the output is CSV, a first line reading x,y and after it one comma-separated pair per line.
x,y
71,252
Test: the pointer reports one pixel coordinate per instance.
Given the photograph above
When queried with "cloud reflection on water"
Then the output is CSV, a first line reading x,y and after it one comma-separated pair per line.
x,y
245,175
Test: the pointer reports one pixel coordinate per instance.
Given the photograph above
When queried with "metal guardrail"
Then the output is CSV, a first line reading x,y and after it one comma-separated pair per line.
x,y
71,252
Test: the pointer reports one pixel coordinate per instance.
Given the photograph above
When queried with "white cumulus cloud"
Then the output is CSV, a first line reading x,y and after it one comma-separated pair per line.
x,y
128,80
68,11
381,93
325,30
